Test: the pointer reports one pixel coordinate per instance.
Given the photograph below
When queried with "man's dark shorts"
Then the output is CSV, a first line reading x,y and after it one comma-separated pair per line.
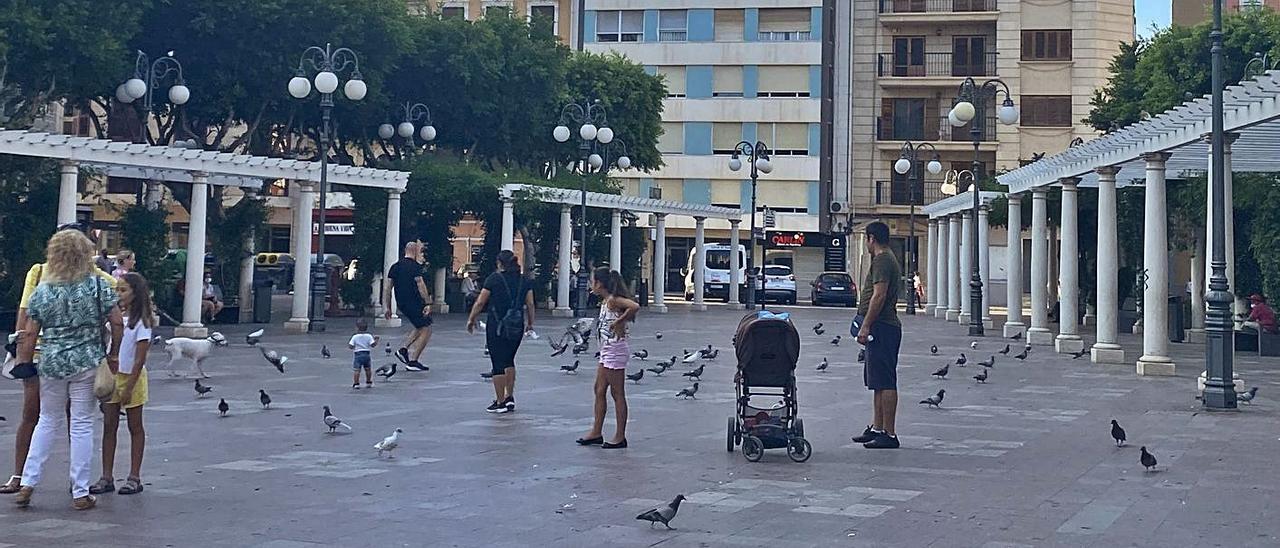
x,y
415,316
880,372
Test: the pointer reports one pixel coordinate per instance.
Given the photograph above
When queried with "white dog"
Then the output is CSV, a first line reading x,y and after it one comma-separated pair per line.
x,y
195,350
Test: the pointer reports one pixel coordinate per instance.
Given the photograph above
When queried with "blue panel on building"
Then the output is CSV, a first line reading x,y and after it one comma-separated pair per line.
x,y
650,25
749,132
650,70
702,27
750,81
589,27
697,81
813,198
744,199
815,139
645,185
751,25
697,138
697,191
815,81
815,23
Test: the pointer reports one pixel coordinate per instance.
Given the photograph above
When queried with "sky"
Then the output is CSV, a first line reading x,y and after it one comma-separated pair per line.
x,y
1152,12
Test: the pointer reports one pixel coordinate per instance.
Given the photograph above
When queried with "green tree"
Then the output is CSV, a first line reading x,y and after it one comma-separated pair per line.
x,y
30,187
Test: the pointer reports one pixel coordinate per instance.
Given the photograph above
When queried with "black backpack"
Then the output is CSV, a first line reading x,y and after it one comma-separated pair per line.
x,y
511,325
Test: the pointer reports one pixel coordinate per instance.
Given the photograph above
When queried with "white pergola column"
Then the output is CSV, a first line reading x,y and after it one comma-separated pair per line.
x,y
391,252
565,264
1228,222
735,264
699,263
1068,340
615,240
942,285
984,263
966,267
193,290
1155,358
245,291
508,223
1196,333
438,304
68,191
931,269
955,277
298,318
1038,333
1013,324
1106,349
660,264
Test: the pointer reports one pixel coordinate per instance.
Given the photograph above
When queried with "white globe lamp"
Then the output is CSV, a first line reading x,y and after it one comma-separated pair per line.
x,y
624,162
326,82
355,89
934,166
764,165
1008,113
299,87
588,132
386,131
122,95
902,166
405,130
135,88
605,135
428,133
595,160
734,163
561,133
964,111
179,94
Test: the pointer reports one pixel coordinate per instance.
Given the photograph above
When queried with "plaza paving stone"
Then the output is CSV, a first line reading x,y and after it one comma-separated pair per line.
x,y
1025,460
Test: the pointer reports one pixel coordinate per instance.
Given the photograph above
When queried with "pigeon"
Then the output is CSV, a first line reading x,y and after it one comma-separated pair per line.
x,y
387,371
2,419
642,354
685,353
265,399
387,349
668,364
962,360
570,368
201,389
935,400
223,407
657,335
942,373
1247,397
486,352
710,354
253,338
823,366
1147,459
324,351
1006,349
688,392
333,422
662,515
696,373
981,377
580,348
862,355
819,331
155,341
656,370
1076,355
275,358
1023,355
636,376
389,443
1117,433
691,358
933,349
817,327
1016,336
703,353
835,341
558,349
989,362
973,345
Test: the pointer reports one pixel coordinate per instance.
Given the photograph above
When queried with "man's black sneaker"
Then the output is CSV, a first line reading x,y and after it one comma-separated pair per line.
x,y
867,435
496,407
417,366
510,404
403,355
883,441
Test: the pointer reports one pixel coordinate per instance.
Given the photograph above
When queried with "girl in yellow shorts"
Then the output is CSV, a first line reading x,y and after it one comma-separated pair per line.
x,y
131,386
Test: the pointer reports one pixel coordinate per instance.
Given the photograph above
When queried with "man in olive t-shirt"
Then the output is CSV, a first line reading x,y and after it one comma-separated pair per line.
x,y
881,333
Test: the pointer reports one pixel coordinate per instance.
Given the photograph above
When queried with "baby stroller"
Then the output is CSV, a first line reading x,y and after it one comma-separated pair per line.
x,y
768,347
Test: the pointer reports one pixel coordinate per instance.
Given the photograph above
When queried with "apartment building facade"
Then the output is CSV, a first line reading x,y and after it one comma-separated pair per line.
x,y
1192,12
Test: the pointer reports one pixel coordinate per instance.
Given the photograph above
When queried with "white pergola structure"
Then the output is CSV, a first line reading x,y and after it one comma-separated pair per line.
x,y
200,169
616,203
1143,153
949,256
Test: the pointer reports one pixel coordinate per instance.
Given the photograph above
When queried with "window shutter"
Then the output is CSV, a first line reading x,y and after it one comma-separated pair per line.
x,y
784,79
726,81
784,20
672,139
791,137
675,80
730,25
725,136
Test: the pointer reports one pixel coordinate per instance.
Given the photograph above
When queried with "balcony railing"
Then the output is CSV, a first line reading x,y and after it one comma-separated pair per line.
x,y
936,64
936,6
901,193
930,129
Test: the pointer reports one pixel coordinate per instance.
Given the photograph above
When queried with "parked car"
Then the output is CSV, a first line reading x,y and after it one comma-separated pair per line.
x,y
717,274
779,284
833,288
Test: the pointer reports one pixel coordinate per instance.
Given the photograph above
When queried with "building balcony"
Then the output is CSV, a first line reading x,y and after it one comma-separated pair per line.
x,y
906,128
904,193
898,11
946,66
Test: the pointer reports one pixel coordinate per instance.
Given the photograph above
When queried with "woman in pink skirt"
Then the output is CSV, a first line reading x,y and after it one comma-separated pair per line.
x,y
616,309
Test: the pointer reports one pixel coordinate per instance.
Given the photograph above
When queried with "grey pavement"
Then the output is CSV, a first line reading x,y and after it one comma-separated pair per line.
x,y
1025,460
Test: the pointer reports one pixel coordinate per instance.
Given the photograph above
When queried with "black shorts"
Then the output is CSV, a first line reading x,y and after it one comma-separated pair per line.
x,y
502,352
880,372
414,314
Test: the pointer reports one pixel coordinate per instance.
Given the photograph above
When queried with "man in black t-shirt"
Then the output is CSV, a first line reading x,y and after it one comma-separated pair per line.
x,y
411,296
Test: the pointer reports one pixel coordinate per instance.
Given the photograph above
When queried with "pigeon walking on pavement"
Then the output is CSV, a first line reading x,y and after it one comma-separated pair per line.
x,y
973,345
962,360
862,355
696,373
823,366
635,377
1023,354
942,373
692,357
264,398
253,338
934,400
275,358
1077,355
981,377
817,327
642,354
1147,459
689,392
657,335
387,371
1117,433
223,407
1016,336
570,368
664,514
835,341
668,364
933,349
1006,350
1247,397
333,422
989,362
389,443
324,351
201,389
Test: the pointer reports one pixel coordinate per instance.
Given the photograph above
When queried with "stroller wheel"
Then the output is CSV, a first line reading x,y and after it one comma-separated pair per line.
x,y
752,448
799,449
731,437
798,428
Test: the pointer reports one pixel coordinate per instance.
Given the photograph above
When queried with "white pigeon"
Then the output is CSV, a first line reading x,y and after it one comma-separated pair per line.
x,y
691,358
253,338
389,443
973,345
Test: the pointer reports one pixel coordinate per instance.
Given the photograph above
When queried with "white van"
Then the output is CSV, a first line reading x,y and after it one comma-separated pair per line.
x,y
716,284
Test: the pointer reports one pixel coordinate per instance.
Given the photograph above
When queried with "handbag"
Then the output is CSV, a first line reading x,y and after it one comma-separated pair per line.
x,y
104,380
511,325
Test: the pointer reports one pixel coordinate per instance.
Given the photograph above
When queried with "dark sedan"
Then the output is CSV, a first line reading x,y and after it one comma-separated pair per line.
x,y
833,288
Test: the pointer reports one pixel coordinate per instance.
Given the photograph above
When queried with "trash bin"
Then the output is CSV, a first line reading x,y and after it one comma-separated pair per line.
x,y
1176,327
262,290
642,292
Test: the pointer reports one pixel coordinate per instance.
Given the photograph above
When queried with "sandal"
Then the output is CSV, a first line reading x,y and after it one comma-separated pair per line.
x,y
11,486
131,486
104,485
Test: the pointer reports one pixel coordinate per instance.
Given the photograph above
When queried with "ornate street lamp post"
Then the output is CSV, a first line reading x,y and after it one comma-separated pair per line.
x,y
593,128
413,112
910,160
971,102
326,63
758,158
149,75
1219,385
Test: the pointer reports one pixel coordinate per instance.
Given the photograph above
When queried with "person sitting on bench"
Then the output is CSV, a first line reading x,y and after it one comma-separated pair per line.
x,y
1261,318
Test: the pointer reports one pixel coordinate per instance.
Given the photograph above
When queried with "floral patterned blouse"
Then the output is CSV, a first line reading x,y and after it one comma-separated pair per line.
x,y
71,315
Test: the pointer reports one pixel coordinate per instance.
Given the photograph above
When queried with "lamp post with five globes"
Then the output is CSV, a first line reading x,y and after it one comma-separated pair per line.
x,y
326,63
758,158
908,162
593,129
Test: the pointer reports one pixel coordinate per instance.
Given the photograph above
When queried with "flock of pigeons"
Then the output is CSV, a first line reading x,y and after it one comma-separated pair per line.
x,y
577,339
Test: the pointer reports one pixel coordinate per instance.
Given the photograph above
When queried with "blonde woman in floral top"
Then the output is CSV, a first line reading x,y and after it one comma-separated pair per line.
x,y
68,309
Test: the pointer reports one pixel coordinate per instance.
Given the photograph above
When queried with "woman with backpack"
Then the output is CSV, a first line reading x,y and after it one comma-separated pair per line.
x,y
509,299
